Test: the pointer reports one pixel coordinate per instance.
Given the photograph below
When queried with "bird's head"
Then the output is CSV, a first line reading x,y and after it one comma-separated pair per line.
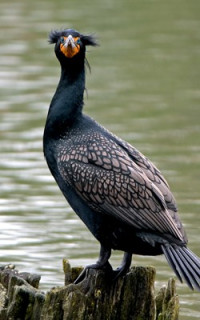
x,y
70,44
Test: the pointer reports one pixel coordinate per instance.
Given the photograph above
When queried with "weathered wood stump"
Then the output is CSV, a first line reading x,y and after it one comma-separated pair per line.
x,y
96,297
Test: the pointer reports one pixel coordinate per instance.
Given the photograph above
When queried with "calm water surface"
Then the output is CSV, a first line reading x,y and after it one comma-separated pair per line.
x,y
144,86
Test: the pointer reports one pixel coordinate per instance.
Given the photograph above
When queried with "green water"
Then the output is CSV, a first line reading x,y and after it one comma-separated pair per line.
x,y
144,86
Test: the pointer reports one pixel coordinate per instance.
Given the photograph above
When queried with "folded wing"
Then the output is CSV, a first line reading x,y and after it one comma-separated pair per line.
x,y
108,179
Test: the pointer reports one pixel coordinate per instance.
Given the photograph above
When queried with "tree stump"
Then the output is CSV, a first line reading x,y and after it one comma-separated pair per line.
x,y
131,297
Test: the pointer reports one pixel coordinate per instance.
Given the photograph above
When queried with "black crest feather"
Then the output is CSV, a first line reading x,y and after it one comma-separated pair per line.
x,y
87,40
54,36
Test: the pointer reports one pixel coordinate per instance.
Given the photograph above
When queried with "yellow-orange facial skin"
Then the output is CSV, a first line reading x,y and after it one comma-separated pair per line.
x,y
70,51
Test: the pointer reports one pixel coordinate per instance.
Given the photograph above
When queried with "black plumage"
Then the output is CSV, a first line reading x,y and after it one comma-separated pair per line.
x,y
118,193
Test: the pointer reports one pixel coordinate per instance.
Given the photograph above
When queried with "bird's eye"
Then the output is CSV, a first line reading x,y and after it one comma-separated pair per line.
x,y
78,41
62,40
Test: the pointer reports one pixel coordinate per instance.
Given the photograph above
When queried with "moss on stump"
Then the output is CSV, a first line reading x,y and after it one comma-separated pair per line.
x,y
129,298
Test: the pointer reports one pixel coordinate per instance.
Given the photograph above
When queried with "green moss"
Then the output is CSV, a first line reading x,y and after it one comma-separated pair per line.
x,y
167,302
96,297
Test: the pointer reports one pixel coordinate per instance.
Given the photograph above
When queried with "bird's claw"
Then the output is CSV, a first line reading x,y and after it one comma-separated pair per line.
x,y
81,276
106,267
119,272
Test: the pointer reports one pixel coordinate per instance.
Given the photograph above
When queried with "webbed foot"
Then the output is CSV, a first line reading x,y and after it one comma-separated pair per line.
x,y
101,264
124,268
106,267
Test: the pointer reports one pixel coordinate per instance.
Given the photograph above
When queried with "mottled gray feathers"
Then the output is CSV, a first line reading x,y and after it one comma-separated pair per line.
x,y
108,179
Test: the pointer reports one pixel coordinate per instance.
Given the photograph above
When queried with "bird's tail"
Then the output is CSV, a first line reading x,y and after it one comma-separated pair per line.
x,y
185,264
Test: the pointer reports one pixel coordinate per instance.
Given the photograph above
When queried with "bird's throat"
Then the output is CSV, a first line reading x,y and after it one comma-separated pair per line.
x,y
66,105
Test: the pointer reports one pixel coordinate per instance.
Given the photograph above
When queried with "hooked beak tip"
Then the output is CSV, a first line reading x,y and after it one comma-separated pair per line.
x,y
69,42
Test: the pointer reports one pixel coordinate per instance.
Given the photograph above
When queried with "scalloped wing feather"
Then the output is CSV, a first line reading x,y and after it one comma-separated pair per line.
x,y
111,182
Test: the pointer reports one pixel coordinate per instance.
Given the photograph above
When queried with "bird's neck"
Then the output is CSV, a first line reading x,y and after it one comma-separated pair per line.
x,y
66,105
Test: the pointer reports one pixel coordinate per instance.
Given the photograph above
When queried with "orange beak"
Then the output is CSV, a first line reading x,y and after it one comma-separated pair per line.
x,y
69,47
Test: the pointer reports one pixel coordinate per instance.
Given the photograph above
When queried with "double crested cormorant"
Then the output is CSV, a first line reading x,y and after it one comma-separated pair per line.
x,y
118,193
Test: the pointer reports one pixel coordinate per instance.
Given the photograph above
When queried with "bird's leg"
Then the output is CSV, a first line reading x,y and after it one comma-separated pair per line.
x,y
125,265
102,263
104,256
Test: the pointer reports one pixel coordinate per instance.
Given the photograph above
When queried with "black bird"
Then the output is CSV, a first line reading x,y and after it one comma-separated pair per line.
x,y
118,193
